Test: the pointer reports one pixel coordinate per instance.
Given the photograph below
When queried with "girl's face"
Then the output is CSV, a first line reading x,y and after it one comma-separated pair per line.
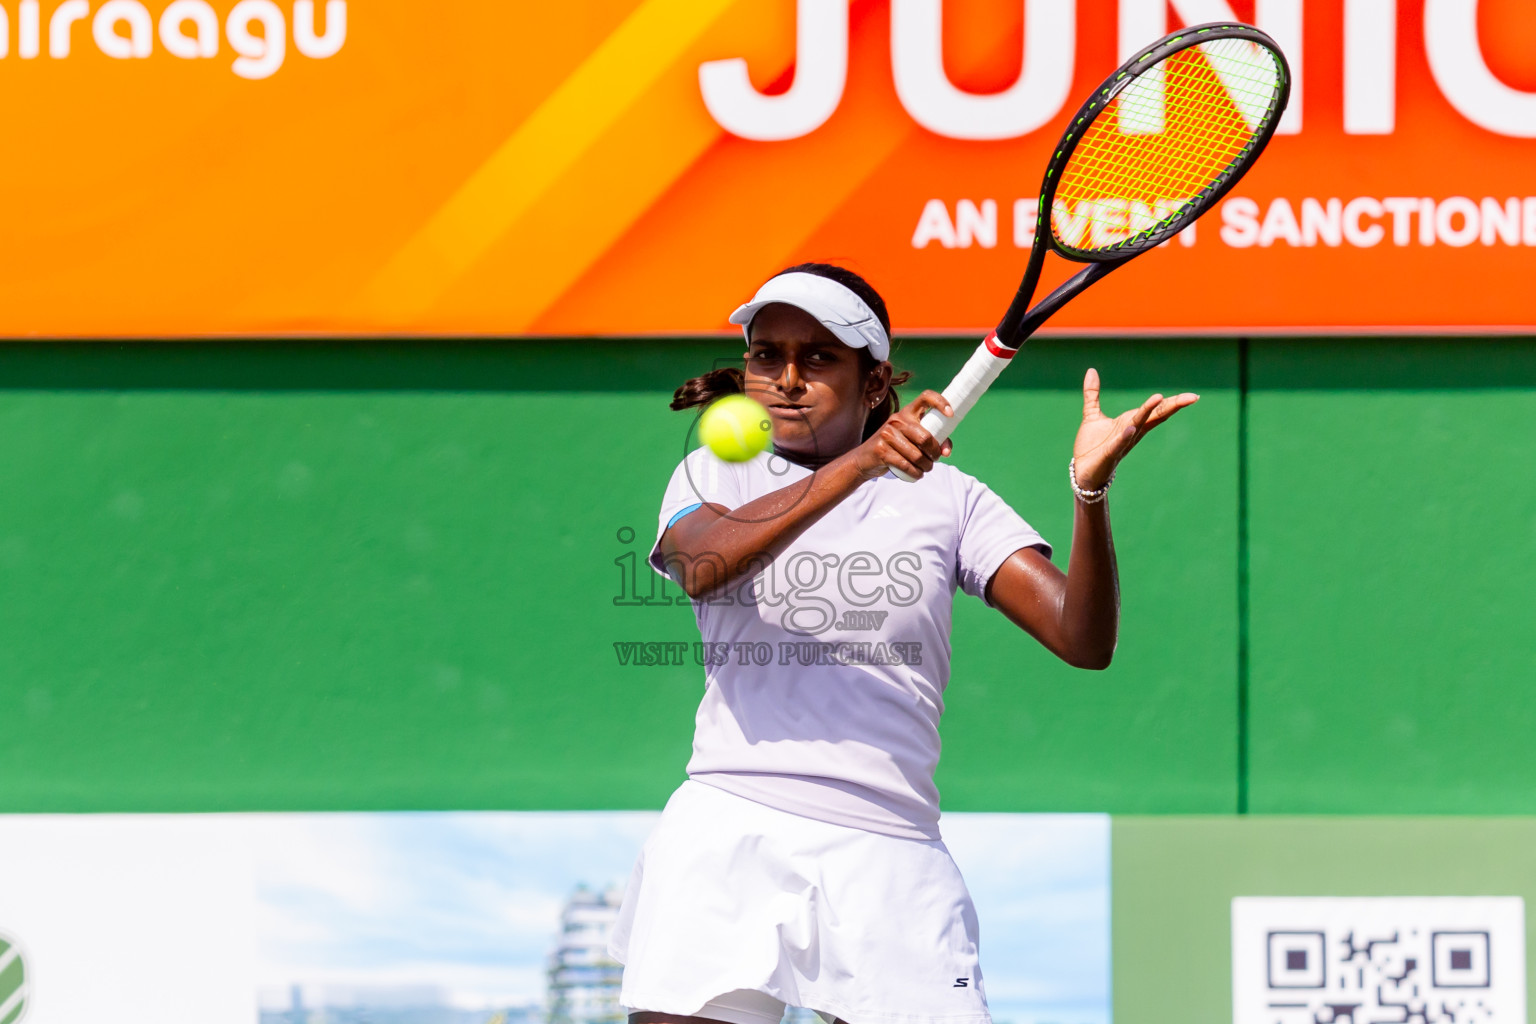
x,y
817,390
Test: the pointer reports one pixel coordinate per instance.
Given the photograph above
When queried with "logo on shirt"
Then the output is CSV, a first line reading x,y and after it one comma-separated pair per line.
x,y
885,512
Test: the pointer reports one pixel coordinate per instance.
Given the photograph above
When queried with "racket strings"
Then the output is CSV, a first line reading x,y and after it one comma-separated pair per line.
x,y
1162,142
1172,166
1175,163
1194,107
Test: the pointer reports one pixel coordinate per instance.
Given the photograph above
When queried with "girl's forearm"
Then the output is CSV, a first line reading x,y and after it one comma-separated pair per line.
x,y
707,551
1090,606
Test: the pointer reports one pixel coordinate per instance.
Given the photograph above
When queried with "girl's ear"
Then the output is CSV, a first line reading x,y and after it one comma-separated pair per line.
x,y
877,384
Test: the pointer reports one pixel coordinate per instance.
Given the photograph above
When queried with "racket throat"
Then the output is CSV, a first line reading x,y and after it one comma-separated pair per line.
x,y
1062,295
1008,334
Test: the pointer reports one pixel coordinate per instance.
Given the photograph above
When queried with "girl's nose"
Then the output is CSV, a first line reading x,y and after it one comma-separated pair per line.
x,y
789,380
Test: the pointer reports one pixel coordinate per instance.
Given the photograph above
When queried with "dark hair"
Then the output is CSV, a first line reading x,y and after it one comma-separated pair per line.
x,y
730,380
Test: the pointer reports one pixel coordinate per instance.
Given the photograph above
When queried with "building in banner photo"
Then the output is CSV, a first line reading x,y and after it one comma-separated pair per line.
x,y
584,980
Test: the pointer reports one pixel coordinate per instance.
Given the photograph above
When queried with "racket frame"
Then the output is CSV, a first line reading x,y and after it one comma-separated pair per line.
x,y
1021,321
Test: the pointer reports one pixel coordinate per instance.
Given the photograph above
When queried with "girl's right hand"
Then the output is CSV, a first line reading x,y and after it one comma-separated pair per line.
x,y
903,443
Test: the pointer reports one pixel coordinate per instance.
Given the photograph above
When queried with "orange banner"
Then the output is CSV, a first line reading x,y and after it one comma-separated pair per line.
x,y
260,167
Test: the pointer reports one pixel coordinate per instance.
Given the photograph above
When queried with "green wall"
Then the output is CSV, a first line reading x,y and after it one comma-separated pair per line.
x,y
1392,517
361,576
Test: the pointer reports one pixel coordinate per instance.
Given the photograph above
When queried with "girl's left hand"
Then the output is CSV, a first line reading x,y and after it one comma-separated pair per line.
x,y
1102,442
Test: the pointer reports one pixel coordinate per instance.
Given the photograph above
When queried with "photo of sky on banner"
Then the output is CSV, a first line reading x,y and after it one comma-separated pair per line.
x,y
463,910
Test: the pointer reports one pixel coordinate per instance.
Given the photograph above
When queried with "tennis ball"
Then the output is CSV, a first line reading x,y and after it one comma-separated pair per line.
x,y
735,428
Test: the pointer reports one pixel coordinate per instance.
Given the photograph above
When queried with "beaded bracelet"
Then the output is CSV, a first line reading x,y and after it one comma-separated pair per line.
x,y
1087,497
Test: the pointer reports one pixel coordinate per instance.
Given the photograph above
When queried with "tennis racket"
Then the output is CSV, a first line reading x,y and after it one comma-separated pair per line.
x,y
1155,146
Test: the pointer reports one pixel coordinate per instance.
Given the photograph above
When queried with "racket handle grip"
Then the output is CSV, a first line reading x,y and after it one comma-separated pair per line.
x,y
969,384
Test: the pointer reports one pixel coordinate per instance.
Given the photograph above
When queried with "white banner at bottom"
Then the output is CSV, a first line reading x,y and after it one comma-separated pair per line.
x,y
442,918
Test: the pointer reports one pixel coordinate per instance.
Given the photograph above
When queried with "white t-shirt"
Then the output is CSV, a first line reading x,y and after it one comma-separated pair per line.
x,y
825,673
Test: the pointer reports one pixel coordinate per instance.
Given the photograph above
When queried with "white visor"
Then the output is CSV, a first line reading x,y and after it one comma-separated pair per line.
x,y
837,307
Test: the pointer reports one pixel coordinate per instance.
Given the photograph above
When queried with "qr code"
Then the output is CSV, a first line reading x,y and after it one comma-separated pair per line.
x,y
1378,960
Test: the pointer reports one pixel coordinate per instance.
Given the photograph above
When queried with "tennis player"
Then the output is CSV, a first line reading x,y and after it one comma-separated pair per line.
x,y
800,863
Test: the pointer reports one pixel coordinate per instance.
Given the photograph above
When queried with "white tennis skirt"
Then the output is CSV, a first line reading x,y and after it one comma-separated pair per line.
x,y
732,901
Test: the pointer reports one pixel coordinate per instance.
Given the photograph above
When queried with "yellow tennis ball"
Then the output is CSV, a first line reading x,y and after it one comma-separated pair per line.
x,y
735,428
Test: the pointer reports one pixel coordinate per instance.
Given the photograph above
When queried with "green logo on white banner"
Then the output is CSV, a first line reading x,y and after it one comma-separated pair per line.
x,y
13,982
